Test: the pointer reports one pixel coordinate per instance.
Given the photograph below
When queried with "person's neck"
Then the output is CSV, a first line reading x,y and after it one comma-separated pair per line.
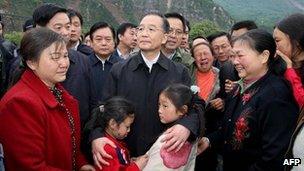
x,y
124,50
102,57
71,44
167,52
248,81
150,55
110,132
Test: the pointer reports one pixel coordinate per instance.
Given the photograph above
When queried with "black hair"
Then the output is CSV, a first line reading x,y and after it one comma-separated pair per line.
x,y
180,95
293,27
188,25
73,13
177,16
213,36
33,43
165,25
100,25
116,108
44,13
122,29
28,24
260,40
248,24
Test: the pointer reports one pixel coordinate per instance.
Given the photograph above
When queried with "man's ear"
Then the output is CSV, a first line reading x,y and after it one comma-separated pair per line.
x,y
119,36
164,39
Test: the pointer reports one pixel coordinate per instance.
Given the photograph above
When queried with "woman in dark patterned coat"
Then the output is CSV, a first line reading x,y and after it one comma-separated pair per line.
x,y
260,112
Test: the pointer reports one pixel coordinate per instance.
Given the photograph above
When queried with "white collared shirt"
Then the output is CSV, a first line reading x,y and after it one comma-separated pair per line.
x,y
76,46
148,62
121,56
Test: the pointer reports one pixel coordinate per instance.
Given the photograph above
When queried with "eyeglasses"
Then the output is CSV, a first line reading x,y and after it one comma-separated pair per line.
x,y
56,56
177,32
150,29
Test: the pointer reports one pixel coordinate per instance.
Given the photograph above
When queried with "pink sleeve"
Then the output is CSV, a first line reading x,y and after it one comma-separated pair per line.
x,y
296,84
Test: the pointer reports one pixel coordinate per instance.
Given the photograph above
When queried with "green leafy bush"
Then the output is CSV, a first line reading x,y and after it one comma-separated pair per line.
x,y
14,37
204,28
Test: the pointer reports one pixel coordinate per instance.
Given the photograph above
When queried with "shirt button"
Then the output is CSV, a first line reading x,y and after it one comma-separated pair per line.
x,y
229,120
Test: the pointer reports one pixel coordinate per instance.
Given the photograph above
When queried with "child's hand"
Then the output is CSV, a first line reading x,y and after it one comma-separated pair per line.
x,y
141,161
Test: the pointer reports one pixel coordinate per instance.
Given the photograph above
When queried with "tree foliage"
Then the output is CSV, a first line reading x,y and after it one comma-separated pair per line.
x,y
204,28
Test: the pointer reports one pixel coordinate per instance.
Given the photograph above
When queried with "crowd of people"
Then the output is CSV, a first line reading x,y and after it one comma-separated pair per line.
x,y
143,97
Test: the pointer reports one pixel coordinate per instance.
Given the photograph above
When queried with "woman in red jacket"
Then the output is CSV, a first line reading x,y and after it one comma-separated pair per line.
x,y
39,120
288,34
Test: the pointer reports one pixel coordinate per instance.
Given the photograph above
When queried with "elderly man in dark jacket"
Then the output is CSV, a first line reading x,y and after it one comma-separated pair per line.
x,y
140,79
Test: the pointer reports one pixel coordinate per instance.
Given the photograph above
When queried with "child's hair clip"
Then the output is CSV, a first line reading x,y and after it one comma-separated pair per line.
x,y
101,108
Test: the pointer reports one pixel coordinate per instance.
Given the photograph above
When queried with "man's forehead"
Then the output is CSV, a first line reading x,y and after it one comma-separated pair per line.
x,y
220,40
151,20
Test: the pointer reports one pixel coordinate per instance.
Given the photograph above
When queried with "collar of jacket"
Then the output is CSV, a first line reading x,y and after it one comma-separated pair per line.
x,y
72,55
112,59
185,58
34,83
137,60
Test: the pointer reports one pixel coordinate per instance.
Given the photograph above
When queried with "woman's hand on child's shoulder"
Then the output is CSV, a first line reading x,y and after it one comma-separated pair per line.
x,y
141,161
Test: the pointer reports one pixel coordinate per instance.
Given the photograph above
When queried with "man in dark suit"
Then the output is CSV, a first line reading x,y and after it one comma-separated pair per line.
x,y
140,79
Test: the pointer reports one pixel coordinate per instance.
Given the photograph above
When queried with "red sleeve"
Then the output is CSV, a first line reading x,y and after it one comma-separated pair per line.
x,y
115,165
22,131
296,84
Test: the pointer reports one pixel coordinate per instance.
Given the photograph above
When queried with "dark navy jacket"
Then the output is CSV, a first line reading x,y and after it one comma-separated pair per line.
x,y
77,83
100,72
85,49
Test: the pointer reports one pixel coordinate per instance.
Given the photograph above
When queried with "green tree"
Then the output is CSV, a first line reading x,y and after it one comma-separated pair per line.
x,y
204,28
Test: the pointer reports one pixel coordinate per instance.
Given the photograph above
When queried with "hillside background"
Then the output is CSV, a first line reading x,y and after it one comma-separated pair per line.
x,y
222,12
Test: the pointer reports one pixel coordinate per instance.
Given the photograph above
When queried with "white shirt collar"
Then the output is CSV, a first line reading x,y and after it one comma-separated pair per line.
x,y
76,46
150,63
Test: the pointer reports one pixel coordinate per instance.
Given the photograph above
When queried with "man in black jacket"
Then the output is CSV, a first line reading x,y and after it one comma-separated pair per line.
x,y
140,79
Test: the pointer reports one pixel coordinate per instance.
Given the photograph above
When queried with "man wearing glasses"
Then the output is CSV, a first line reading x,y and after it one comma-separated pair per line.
x,y
140,79
175,35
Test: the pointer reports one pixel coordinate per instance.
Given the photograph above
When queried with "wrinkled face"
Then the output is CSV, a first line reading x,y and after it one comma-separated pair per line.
x,y
129,38
283,42
167,111
103,42
239,32
221,47
75,29
175,34
203,58
248,62
150,34
52,65
61,24
123,128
